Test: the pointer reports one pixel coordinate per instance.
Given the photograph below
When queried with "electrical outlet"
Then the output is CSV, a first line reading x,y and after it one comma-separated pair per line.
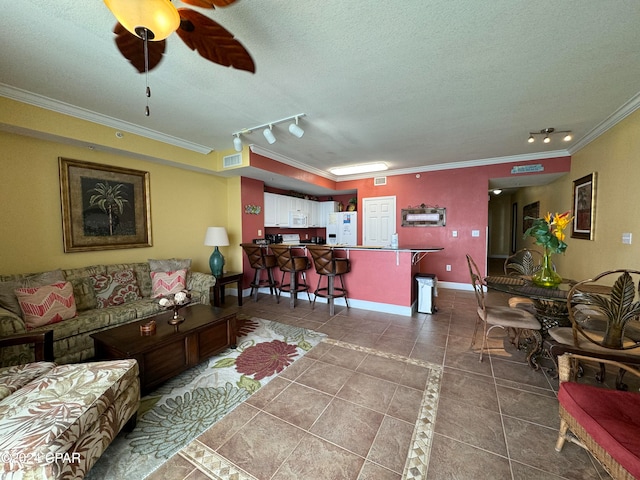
x,y
454,233
475,233
448,268
259,232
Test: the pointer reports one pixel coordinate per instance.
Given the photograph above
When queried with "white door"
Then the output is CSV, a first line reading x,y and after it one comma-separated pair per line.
x,y
378,220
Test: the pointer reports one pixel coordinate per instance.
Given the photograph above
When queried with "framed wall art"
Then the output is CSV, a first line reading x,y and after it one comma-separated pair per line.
x,y
533,211
584,203
103,207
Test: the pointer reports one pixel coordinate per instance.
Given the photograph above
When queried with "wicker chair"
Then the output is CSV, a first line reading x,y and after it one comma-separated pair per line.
x,y
603,421
515,320
604,320
523,263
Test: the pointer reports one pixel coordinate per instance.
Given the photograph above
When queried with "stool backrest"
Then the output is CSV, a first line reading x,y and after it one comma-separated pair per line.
x,y
322,260
287,261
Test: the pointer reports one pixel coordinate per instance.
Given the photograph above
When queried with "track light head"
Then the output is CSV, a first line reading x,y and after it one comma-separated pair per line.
x,y
295,130
531,139
546,139
268,134
237,142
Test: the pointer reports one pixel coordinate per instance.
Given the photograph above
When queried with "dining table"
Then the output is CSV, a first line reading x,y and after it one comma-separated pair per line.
x,y
549,306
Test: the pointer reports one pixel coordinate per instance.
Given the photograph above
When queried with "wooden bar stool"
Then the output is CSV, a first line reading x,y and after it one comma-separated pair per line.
x,y
329,266
261,261
294,265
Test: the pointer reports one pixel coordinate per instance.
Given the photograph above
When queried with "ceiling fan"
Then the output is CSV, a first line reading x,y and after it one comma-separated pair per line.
x,y
143,26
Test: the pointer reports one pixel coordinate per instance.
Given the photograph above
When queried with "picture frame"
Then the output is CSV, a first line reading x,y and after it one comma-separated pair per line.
x,y
533,211
103,207
584,203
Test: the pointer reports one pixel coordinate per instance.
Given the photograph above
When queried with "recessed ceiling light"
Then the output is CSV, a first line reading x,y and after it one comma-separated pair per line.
x,y
364,168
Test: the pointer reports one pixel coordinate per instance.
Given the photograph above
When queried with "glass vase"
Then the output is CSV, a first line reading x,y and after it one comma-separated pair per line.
x,y
546,276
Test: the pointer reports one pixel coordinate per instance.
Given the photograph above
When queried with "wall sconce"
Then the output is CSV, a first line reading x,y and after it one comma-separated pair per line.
x,y
547,132
294,129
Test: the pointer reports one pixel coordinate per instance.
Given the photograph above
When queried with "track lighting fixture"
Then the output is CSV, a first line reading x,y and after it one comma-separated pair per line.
x,y
237,142
294,129
268,134
547,132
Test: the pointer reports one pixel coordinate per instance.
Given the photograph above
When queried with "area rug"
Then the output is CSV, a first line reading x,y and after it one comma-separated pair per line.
x,y
187,405
215,466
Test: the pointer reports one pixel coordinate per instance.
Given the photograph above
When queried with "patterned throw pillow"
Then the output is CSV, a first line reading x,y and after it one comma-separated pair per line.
x,y
48,304
115,288
8,298
168,283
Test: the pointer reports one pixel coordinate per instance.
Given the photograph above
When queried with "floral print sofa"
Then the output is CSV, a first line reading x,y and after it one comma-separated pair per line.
x,y
56,421
72,341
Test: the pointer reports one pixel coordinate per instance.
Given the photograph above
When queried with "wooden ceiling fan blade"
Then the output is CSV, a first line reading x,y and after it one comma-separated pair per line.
x,y
212,41
132,48
209,3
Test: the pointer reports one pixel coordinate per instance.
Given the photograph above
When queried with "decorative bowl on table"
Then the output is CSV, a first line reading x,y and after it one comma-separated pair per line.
x,y
179,300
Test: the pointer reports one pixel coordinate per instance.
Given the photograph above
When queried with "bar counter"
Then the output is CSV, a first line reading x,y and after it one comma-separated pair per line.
x,y
381,278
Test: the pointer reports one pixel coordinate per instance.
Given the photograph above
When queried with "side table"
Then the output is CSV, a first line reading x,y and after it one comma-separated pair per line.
x,y
217,291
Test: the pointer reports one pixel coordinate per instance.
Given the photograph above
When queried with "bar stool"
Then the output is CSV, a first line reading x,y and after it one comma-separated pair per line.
x,y
329,266
261,261
294,265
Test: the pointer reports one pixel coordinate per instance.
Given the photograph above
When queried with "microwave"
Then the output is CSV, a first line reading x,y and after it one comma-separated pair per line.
x,y
298,219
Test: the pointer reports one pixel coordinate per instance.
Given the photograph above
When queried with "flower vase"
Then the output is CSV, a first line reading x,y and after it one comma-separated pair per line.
x,y
546,276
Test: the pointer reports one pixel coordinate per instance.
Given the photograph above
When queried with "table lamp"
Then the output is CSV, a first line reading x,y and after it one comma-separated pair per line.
x,y
216,237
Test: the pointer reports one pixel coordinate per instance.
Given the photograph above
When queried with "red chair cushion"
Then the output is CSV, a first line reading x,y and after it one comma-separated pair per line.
x,y
611,417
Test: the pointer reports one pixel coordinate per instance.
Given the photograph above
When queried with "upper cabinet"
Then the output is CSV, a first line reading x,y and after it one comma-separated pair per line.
x,y
277,208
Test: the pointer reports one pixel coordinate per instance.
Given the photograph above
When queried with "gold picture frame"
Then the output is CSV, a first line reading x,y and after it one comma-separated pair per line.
x,y
584,204
103,207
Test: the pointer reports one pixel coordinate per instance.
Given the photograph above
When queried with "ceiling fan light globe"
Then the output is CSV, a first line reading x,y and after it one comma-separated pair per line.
x,y
295,130
159,17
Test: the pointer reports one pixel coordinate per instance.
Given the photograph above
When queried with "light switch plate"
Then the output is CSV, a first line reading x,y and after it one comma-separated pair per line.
x,y
626,238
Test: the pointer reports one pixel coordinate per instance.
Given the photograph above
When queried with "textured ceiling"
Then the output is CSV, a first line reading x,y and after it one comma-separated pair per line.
x,y
414,83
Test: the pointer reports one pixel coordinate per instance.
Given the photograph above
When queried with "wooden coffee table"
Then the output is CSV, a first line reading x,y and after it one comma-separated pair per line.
x,y
171,350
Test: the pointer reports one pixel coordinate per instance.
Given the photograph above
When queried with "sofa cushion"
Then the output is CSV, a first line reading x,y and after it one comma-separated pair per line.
x,y
142,272
8,298
49,414
84,294
115,288
168,283
169,264
46,304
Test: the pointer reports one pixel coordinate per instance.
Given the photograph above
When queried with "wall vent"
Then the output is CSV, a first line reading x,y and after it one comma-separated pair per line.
x,y
377,181
232,160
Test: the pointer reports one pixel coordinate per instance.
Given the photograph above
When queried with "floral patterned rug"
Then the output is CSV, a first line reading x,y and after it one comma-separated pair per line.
x,y
184,407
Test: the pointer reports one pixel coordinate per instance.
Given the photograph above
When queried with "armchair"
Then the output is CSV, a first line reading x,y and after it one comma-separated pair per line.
x,y
42,344
603,421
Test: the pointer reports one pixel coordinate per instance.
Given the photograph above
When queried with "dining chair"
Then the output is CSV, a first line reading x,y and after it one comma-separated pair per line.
x,y
517,322
604,312
603,421
523,263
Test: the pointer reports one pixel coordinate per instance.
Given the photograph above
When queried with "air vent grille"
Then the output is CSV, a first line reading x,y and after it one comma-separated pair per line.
x,y
232,160
377,181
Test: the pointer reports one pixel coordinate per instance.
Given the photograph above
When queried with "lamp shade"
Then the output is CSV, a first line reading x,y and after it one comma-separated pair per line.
x,y
159,17
216,237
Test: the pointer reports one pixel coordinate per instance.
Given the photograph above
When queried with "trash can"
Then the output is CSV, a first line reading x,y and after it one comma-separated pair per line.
x,y
427,284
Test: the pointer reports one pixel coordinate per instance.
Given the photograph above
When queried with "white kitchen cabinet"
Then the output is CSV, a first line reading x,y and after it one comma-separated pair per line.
x,y
270,209
325,209
283,208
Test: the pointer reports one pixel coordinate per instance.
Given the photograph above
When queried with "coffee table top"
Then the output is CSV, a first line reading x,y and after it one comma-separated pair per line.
x,y
128,339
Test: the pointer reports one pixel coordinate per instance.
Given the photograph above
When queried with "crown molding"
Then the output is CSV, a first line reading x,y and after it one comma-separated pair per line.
x,y
67,109
620,114
265,152
455,165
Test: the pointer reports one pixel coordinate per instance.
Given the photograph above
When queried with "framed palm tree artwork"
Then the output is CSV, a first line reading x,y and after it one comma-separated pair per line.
x,y
103,207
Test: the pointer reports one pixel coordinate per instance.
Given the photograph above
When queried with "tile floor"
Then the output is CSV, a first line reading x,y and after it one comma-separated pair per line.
x,y
338,413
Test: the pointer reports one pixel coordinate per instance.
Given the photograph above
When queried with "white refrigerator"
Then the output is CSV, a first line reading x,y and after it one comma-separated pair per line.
x,y
342,228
